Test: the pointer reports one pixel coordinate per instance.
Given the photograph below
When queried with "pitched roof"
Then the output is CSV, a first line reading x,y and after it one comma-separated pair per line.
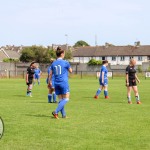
x,y
97,51
12,54
2,56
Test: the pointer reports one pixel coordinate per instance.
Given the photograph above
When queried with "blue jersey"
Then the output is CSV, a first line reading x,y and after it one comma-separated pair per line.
x,y
60,69
103,69
37,71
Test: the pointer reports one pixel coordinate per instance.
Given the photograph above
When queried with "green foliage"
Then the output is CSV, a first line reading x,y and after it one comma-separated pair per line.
x,y
148,69
95,62
81,43
139,69
10,60
40,54
68,55
27,55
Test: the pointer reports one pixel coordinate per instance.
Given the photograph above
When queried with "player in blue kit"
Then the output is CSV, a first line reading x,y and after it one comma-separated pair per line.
x,y
103,80
59,69
37,74
51,93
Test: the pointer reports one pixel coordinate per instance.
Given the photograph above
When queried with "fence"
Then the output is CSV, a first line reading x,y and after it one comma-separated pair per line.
x,y
79,74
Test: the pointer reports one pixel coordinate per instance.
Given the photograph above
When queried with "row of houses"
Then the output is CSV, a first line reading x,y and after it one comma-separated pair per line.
x,y
116,55
10,52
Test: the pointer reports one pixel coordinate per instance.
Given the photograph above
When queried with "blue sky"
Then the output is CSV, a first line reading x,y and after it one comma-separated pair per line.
x,y
43,22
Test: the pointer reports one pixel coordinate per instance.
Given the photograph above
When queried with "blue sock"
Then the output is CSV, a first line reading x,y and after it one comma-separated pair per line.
x,y
54,97
61,104
98,92
49,98
105,93
63,112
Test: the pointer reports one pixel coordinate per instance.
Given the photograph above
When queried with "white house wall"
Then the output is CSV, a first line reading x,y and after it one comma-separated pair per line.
x,y
115,62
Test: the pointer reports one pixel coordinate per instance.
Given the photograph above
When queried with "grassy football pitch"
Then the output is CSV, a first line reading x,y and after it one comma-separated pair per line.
x,y
92,124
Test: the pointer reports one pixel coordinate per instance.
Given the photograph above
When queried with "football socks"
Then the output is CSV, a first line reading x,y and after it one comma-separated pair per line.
x,y
49,98
137,98
98,92
61,105
105,93
54,97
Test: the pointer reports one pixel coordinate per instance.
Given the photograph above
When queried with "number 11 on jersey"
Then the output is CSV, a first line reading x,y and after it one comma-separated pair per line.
x,y
58,70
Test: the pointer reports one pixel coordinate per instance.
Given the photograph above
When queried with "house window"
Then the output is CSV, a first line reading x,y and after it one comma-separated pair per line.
x,y
113,58
122,58
131,57
81,59
140,58
103,58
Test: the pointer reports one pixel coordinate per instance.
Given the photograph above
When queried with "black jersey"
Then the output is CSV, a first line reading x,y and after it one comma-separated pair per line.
x,y
30,72
130,70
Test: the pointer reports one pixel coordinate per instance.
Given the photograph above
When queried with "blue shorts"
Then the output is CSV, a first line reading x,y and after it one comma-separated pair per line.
x,y
53,84
36,76
105,82
61,89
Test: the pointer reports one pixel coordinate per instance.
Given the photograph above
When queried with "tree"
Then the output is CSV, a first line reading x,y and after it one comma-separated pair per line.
x,y
68,55
81,43
49,54
40,54
27,55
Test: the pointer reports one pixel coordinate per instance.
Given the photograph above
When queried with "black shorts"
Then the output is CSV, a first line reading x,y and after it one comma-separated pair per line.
x,y
30,80
132,83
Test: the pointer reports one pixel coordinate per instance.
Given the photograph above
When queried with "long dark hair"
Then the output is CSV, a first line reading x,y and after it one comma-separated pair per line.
x,y
32,63
105,62
59,51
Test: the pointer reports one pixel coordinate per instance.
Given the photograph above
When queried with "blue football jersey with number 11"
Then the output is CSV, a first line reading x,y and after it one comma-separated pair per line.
x,y
60,70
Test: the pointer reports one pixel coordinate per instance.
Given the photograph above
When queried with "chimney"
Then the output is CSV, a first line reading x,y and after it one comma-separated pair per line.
x,y
106,45
137,44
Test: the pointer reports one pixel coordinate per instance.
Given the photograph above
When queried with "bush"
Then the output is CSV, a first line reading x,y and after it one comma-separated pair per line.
x,y
139,69
148,69
10,60
95,62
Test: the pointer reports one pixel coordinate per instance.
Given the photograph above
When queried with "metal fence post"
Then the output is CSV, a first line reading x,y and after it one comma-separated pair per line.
x,y
81,74
23,74
9,74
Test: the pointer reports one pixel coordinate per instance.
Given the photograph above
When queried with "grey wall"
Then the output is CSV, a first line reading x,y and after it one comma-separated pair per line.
x,y
20,67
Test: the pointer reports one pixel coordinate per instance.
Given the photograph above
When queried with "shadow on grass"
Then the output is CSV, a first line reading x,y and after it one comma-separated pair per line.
x,y
39,102
38,115
19,95
112,102
41,116
88,97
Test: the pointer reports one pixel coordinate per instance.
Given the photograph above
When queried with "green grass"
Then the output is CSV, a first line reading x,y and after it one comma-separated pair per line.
x,y
92,124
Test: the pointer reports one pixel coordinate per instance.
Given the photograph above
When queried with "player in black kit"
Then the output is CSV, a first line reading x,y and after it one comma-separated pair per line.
x,y
29,78
131,79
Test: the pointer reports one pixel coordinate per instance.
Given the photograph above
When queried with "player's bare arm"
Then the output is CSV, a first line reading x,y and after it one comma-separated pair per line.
x,y
127,80
50,79
137,78
103,77
70,70
27,78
